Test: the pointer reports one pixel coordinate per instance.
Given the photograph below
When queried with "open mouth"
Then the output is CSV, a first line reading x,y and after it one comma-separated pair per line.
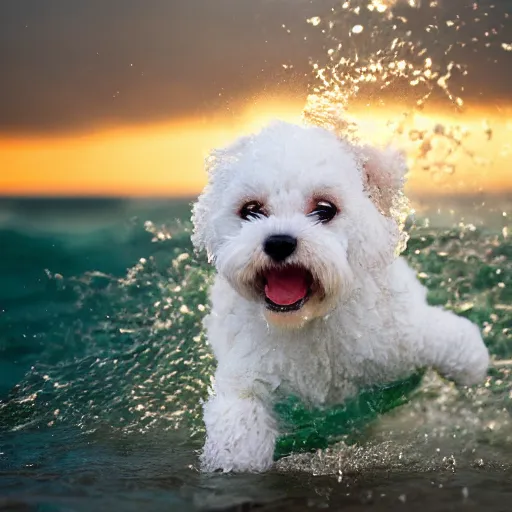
x,y
287,288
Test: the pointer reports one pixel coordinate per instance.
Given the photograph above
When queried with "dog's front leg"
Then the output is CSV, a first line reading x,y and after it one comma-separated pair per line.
x,y
240,431
454,347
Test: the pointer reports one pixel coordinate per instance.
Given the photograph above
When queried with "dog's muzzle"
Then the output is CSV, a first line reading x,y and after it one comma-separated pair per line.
x,y
287,287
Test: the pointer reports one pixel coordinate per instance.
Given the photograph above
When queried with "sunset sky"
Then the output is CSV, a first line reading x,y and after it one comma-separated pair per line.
x,y
125,98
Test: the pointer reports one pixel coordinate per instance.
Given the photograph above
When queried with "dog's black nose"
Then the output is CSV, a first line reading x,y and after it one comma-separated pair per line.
x,y
279,247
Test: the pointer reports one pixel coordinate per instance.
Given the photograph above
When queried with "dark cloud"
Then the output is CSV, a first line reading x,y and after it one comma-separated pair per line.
x,y
73,64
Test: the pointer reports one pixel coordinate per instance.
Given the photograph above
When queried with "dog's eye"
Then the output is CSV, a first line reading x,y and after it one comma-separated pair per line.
x,y
251,210
324,211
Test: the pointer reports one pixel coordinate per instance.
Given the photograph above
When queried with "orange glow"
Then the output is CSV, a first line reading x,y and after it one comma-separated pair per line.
x,y
167,159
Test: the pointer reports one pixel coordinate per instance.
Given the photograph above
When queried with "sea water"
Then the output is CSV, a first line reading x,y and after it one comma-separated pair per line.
x,y
104,364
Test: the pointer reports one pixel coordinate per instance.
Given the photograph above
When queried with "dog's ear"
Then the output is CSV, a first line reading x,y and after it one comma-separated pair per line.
x,y
220,165
377,232
383,173
204,208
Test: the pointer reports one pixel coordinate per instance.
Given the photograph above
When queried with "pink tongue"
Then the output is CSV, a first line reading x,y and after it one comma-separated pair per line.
x,y
286,286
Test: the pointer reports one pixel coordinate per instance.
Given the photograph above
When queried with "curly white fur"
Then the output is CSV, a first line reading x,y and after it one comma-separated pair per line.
x,y
371,323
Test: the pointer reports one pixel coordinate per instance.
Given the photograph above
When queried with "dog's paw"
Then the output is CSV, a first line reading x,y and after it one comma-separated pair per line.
x,y
474,364
236,459
240,434
460,352
476,371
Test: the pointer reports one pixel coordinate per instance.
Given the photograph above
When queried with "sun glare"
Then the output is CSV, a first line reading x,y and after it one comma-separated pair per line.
x,y
167,159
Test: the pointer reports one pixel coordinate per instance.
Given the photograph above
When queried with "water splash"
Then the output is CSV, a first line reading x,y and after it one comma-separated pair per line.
x,y
414,51
410,47
130,352
443,429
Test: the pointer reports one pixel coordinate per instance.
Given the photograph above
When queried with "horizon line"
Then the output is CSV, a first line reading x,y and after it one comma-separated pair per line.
x,y
506,194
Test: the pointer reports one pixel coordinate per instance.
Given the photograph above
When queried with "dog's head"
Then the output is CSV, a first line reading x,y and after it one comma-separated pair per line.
x,y
293,215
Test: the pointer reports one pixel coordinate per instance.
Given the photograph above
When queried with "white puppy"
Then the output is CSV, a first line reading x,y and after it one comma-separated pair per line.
x,y
309,296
